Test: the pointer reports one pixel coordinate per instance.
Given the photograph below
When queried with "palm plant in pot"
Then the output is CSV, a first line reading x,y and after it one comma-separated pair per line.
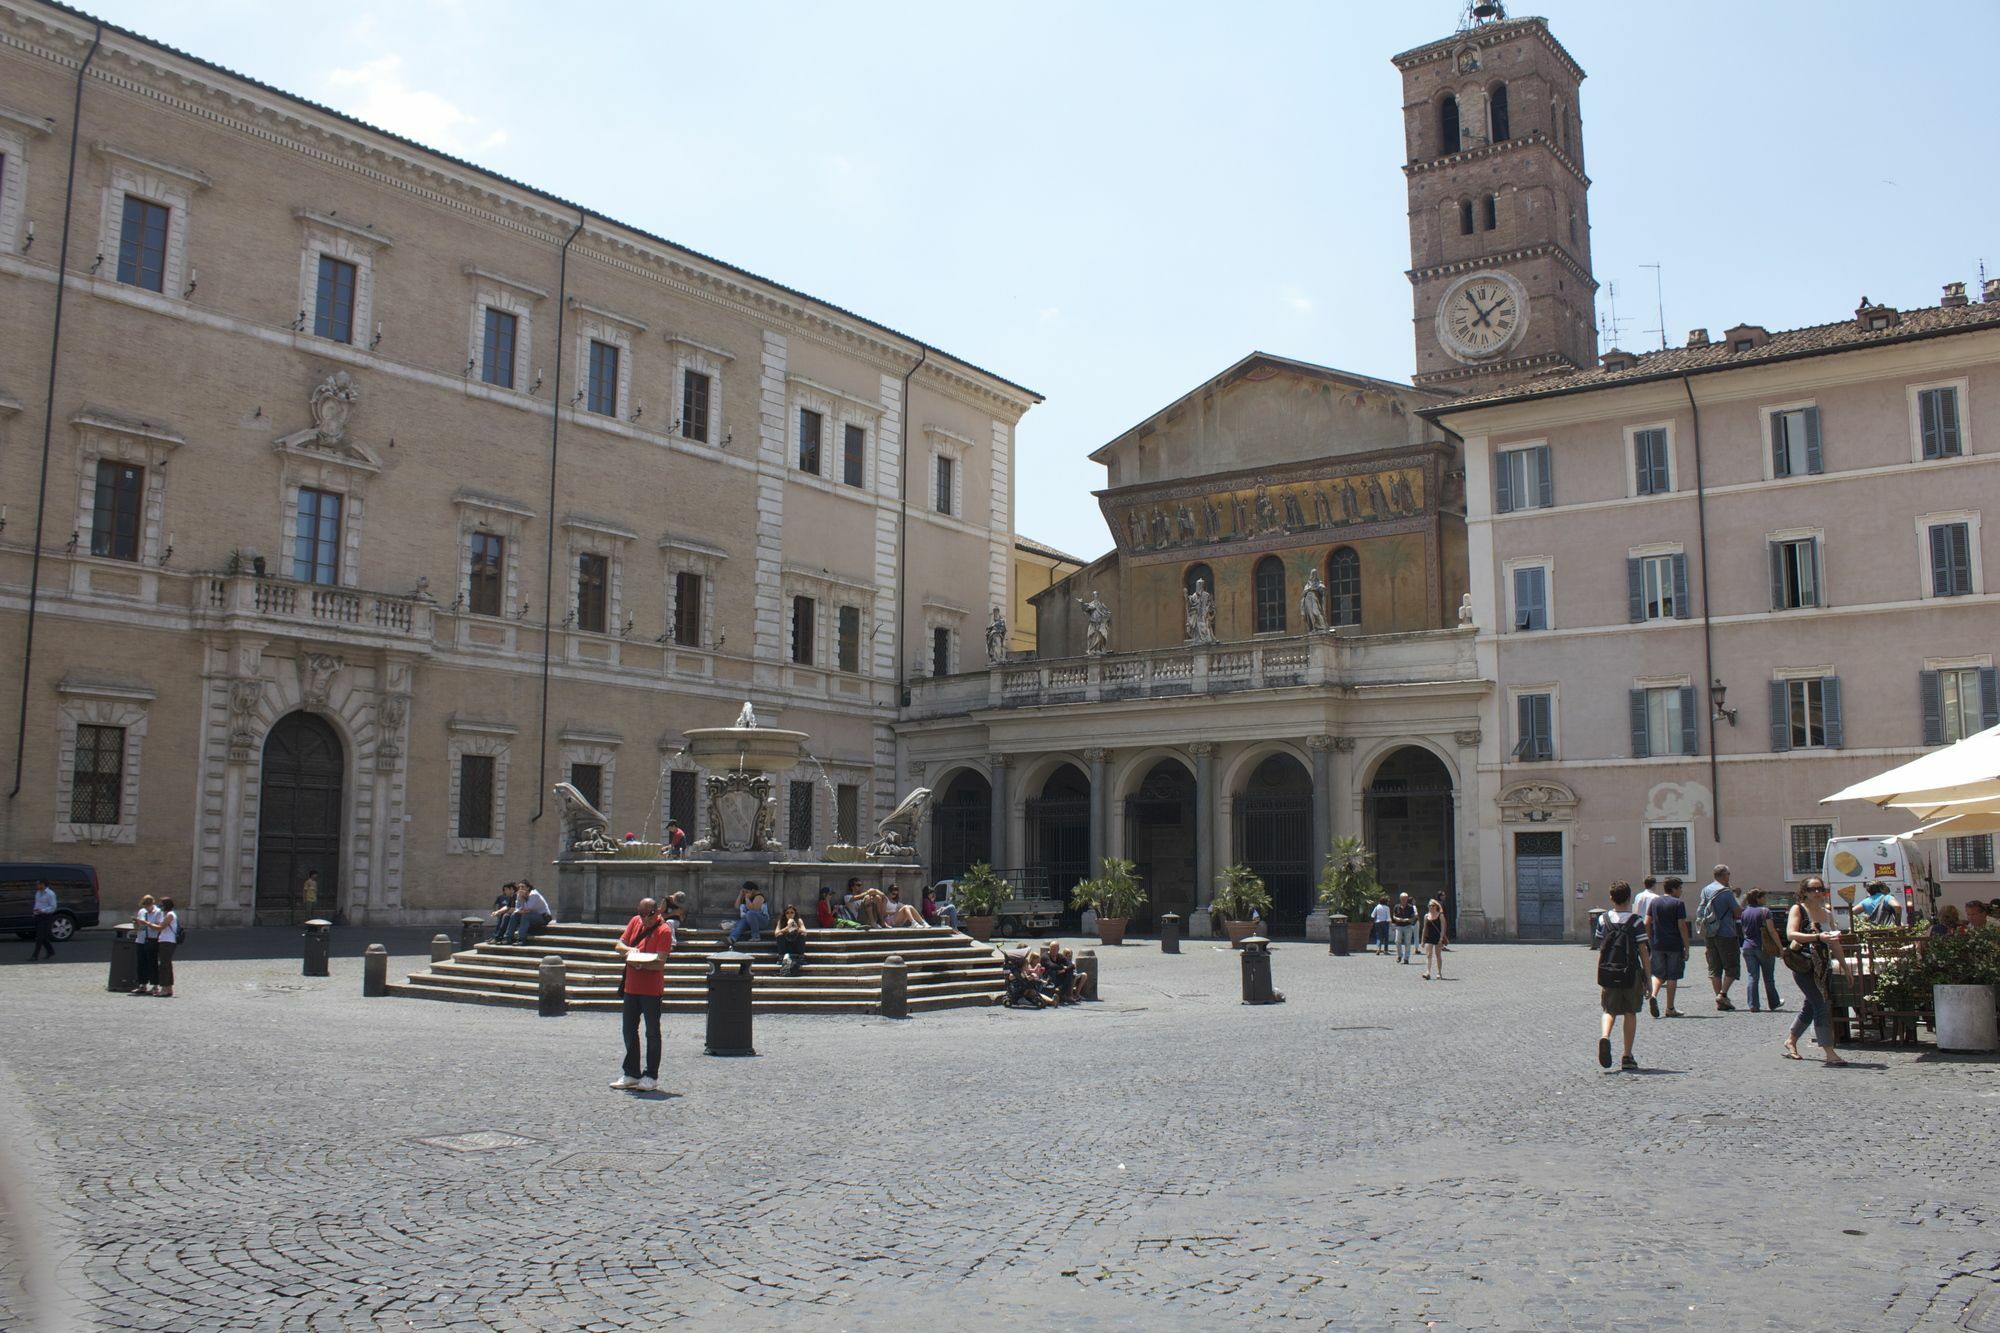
x,y
1242,899
978,894
1114,895
1348,887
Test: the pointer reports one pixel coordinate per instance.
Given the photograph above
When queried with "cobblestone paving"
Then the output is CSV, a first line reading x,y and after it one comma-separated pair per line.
x,y
1379,1152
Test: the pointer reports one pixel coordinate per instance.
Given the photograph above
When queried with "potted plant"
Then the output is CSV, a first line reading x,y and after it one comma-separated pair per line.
x,y
1241,898
1348,887
1956,978
978,894
1114,895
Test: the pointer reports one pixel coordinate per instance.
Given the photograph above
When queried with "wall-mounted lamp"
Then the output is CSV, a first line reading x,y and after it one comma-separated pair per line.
x,y
299,324
576,398
194,281
167,554
728,439
569,620
626,632
522,614
71,545
638,411
1716,694
470,361
376,341
458,604
29,244
536,387
98,262
3,518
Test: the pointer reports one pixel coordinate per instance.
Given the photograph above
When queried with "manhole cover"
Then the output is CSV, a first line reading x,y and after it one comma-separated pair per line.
x,y
614,1161
479,1140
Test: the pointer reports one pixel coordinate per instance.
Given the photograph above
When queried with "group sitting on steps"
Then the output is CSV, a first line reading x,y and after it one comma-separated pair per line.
x,y
1038,978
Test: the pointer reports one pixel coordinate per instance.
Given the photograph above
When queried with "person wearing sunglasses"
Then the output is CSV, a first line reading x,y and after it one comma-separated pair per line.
x,y
1810,930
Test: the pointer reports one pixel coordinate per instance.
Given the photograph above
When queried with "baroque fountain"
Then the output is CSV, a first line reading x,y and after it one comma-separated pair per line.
x,y
600,878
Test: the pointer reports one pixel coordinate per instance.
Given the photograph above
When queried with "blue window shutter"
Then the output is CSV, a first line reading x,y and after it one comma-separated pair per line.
x,y
1545,726
1524,726
1682,608
1941,562
1641,748
1927,421
1503,482
1547,480
1813,462
1635,589
1947,415
1830,710
1933,704
1690,723
1777,575
1989,698
1781,722
1818,597
1961,557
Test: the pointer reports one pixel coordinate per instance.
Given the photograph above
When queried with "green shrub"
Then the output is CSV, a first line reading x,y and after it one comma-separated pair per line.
x,y
1238,891
979,892
1115,894
1347,886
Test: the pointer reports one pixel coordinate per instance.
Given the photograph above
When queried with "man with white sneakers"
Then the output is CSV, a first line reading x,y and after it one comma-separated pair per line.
x,y
648,939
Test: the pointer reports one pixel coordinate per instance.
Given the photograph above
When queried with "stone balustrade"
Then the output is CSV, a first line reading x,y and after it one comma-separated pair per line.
x,y
235,600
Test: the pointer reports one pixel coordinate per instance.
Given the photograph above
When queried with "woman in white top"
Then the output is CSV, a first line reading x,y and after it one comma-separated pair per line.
x,y
146,921
170,938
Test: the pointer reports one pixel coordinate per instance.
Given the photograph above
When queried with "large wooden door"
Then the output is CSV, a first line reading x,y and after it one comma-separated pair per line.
x,y
298,821
1538,885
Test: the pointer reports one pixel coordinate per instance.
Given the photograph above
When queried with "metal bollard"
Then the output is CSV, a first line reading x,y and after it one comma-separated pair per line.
x,y
124,959
553,1001
440,947
471,930
1170,933
374,972
1257,972
1086,966
895,987
729,1004
1336,935
319,939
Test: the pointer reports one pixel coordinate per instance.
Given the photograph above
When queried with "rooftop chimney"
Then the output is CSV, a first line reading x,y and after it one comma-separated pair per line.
x,y
1869,317
1697,337
1954,295
1990,290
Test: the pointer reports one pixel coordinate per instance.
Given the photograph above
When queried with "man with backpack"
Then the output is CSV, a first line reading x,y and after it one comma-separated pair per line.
x,y
1722,940
1622,962
1879,907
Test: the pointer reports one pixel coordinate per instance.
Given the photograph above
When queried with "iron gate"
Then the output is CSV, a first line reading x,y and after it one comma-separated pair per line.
x,y
1059,841
1274,838
964,835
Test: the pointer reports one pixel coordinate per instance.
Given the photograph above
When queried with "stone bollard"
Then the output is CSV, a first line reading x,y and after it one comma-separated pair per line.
x,y
1170,933
731,1001
124,959
1257,972
375,972
895,987
471,930
319,940
440,947
554,999
1086,965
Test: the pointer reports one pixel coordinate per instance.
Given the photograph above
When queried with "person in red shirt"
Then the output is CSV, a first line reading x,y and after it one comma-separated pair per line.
x,y
824,908
652,935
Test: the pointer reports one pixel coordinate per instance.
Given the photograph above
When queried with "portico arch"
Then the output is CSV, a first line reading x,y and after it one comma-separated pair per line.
x,y
1161,837
961,823
1272,816
1058,828
1408,819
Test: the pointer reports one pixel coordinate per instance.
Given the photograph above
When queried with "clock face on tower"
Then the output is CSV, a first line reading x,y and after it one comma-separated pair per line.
x,y
1482,315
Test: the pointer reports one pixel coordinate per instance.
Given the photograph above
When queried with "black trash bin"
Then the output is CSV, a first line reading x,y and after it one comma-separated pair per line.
x,y
1257,972
729,1001
319,940
124,959
1170,933
1336,935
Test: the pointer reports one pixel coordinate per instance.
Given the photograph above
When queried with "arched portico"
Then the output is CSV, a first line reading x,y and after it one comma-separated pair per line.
x,y
961,824
1273,833
1162,839
1409,819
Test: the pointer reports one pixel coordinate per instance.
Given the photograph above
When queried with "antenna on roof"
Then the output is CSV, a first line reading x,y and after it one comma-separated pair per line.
x,y
1610,328
1660,304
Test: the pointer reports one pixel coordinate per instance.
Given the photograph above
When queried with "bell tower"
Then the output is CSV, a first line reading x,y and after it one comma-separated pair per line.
x,y
1499,206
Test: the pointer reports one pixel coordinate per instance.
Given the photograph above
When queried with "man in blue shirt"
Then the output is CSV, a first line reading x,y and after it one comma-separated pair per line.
x,y
1667,929
1879,907
1720,936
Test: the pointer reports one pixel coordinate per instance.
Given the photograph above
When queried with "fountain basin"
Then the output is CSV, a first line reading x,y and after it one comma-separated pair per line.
x,y
746,749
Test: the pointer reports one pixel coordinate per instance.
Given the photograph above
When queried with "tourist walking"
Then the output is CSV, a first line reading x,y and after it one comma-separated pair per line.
x,y
169,944
1621,973
1403,921
146,945
1642,901
1763,942
1436,936
45,924
1813,944
647,940
1378,927
1720,941
1669,936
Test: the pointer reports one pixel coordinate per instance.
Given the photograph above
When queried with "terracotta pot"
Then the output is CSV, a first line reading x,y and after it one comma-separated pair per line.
x,y
1111,930
1239,931
979,927
1357,936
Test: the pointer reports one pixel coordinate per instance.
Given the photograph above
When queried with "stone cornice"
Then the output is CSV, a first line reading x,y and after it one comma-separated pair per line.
x,y
140,160
1538,365
96,418
365,235
1474,263
682,340
35,125
609,316
1491,34
1516,144
502,280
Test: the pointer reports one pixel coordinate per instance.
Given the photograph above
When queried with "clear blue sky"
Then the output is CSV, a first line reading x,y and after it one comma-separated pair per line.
x,y
1111,202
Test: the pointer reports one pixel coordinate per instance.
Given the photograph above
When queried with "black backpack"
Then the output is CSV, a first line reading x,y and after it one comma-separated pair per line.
x,y
1618,956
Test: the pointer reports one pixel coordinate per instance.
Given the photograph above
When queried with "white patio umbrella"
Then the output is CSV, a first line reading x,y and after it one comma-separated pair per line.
x,y
1957,826
1960,779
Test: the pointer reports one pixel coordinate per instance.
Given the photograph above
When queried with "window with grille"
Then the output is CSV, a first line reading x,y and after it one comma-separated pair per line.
x,y
800,833
946,469
694,406
804,610
593,581
99,775
847,814
1795,448
589,780
475,795
602,393
316,548
333,306
1667,849
142,244
1650,469
1343,587
1808,847
810,425
1971,855
687,609
1268,593
848,634
1951,559
854,455
115,516
681,799
497,357
1937,421
940,652
486,583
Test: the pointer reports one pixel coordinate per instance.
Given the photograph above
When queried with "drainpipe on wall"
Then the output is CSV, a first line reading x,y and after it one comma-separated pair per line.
x,y
549,563
1707,626
903,537
49,417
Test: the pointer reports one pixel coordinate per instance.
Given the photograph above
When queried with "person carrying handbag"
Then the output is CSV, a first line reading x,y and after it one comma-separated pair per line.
x,y
1763,942
1812,944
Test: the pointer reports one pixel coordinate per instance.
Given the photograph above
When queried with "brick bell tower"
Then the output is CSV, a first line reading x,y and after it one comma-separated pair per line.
x,y
1499,206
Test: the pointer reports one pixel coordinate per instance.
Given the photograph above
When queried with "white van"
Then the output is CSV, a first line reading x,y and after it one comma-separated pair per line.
x,y
1850,863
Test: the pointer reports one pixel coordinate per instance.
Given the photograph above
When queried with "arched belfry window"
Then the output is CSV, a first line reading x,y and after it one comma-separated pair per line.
x,y
1343,587
1268,587
1496,112
1492,218
1465,217
1448,125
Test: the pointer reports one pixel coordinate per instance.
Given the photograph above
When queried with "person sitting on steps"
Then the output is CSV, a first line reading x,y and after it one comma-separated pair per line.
x,y
791,937
752,919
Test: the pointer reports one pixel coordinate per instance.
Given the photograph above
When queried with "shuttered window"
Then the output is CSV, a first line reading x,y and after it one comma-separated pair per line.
x,y
1656,588
497,355
593,584
1951,559
1937,422
333,303
687,609
142,244
1534,722
694,406
1806,714
1650,469
1958,702
1795,574
1531,598
1665,721
115,516
1522,479
804,613
854,455
603,387
1795,449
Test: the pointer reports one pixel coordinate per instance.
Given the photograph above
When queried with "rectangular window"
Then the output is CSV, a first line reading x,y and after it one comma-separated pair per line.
x,y
1531,598
1808,848
1969,856
316,549
1667,850
1951,559
114,520
1795,580
1664,721
1805,712
497,357
681,787
694,406
847,814
687,609
475,796
1795,442
142,245
589,780
1937,422
1649,461
810,424
333,308
486,584
98,789
854,456
803,610
944,485
593,585
848,633
603,390
800,831
940,652
1522,479
1958,702
1535,726
1656,587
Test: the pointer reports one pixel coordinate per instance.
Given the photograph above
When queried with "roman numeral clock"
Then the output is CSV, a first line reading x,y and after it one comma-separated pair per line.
x,y
1482,315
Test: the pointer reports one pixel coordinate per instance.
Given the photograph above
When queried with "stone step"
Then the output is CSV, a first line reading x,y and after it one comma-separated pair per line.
x,y
939,960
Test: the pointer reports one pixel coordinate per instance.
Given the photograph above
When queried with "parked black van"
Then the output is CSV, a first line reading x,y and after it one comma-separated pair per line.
x,y
76,897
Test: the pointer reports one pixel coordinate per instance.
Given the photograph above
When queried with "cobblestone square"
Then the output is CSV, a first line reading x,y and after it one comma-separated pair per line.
x,y
263,1151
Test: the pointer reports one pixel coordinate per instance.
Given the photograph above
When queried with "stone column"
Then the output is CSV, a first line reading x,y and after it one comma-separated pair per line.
x,y
1322,828
1100,806
1342,799
998,841
1198,926
1473,922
